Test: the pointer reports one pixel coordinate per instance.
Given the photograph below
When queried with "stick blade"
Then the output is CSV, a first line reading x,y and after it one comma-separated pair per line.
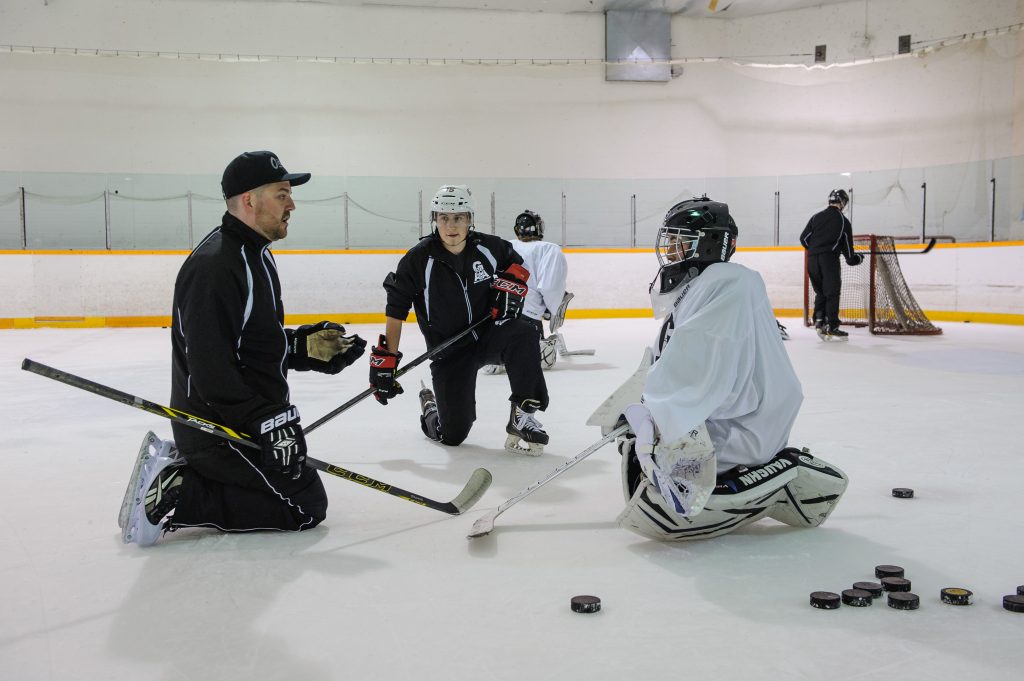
x,y
484,525
478,483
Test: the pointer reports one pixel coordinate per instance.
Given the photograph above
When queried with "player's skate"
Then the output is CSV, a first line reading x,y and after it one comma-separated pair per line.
x,y
152,492
525,433
833,333
429,421
492,369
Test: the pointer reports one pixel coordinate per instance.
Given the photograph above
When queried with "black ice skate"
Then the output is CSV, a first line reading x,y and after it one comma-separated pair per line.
x,y
429,420
525,433
821,328
834,333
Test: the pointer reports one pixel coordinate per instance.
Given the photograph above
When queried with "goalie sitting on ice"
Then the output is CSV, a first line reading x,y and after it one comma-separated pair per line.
x,y
707,449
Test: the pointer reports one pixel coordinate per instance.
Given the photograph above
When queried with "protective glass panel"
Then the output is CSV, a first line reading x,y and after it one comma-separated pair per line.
x,y
751,204
10,212
148,212
65,210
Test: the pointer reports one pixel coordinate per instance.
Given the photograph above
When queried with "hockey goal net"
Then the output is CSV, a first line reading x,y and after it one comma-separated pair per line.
x,y
875,293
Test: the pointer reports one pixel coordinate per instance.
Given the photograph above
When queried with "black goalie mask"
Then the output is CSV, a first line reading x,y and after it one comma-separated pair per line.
x,y
695,233
529,225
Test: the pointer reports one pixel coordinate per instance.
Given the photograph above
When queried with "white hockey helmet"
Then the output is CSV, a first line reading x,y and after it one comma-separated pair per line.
x,y
452,198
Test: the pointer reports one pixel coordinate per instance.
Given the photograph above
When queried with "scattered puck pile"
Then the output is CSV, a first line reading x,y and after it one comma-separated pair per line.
x,y
893,583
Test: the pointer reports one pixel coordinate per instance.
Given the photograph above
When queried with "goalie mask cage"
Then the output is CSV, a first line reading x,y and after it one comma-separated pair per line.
x,y
874,293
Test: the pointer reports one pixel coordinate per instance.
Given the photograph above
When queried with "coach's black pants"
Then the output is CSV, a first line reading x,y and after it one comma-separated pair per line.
x,y
222,488
514,344
826,280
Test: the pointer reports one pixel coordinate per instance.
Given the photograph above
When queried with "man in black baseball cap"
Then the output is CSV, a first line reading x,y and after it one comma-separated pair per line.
x,y
231,354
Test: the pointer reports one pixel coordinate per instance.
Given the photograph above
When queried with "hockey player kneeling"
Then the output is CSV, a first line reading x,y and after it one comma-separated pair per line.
x,y
707,451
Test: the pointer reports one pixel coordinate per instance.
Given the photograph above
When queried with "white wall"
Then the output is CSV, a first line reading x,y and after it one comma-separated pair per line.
x,y
961,279
155,115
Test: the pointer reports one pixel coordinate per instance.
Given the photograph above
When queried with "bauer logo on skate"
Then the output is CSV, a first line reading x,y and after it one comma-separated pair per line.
x,y
765,471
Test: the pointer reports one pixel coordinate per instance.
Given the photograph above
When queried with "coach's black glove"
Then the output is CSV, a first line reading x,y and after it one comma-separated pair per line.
x,y
383,366
282,444
508,292
855,260
323,347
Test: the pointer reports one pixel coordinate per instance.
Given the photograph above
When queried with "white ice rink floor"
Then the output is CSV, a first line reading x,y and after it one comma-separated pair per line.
x,y
385,589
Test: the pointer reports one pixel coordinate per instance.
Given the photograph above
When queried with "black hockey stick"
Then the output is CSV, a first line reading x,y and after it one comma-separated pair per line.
x,y
401,372
478,482
930,246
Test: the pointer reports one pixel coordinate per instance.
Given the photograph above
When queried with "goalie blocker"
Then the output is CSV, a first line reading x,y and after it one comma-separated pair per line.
x,y
795,488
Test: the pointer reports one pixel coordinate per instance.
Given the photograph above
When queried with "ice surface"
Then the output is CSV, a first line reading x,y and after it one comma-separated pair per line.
x,y
388,590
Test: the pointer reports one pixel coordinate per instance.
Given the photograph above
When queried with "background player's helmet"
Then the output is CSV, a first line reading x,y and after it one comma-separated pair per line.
x,y
695,233
452,198
839,196
529,225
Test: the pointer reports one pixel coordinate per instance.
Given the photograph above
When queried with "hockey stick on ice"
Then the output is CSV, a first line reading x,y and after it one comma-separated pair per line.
x,y
899,251
401,372
478,482
485,524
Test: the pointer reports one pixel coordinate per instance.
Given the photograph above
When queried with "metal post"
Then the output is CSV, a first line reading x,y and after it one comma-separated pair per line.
x,y
344,218
24,226
420,211
106,217
992,232
563,219
851,205
775,217
924,208
188,197
493,222
632,220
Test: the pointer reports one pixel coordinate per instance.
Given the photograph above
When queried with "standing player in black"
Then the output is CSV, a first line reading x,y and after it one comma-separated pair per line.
x,y
453,278
230,361
828,235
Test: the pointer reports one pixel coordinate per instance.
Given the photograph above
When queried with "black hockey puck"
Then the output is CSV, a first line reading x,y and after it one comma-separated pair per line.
x,y
585,604
858,598
888,571
956,596
873,588
904,600
903,492
1020,590
895,584
825,600
1014,603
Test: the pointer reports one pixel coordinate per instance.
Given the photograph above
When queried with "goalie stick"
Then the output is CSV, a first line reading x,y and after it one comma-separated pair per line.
x,y
899,251
478,482
485,524
398,374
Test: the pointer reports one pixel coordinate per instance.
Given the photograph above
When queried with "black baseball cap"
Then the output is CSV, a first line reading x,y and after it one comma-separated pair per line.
x,y
254,169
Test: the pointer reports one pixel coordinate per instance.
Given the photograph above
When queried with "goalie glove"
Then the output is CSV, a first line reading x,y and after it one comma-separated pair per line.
x,y
508,293
282,444
323,347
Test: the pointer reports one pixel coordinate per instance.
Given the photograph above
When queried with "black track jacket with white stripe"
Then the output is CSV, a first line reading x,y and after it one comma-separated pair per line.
x,y
449,292
229,345
828,232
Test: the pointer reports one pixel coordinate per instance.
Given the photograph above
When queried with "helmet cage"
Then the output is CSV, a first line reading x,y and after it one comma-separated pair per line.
x,y
529,225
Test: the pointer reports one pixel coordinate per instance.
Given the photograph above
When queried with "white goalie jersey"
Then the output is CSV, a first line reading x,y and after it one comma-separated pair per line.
x,y
548,269
720,362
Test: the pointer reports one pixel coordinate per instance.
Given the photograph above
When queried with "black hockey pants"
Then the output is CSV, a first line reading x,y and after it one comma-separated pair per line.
x,y
222,488
514,344
826,280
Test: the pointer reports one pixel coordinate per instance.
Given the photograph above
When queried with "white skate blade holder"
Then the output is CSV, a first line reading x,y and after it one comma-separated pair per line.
x,y
516,445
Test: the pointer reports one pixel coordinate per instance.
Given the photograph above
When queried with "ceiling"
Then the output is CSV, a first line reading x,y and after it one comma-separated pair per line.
x,y
722,9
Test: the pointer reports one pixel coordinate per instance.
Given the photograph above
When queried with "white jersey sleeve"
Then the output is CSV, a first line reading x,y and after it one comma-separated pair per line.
x,y
724,365
548,271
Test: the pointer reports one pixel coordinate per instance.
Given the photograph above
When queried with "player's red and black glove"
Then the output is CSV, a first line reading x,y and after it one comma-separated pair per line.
x,y
508,293
383,366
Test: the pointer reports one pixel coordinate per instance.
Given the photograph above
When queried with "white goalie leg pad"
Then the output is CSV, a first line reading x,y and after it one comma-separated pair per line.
x,y
548,352
813,494
741,497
